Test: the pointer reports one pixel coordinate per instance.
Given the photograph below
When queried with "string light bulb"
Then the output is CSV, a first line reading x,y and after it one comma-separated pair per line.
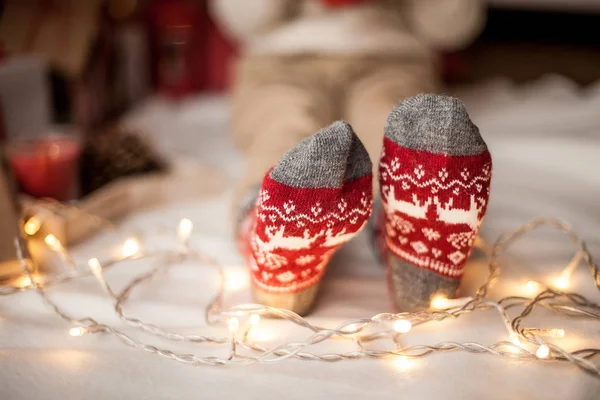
x,y
53,243
402,326
32,226
402,362
185,229
514,338
261,335
439,302
236,280
23,282
532,287
77,331
233,325
562,282
254,319
96,268
542,352
130,248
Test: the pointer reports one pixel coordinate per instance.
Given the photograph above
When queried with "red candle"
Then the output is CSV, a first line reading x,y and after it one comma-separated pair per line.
x,y
47,167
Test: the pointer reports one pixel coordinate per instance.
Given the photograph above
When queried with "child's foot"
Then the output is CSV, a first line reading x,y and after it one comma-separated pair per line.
x,y
315,199
434,177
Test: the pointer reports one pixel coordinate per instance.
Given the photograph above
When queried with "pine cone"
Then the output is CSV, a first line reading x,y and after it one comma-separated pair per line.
x,y
113,154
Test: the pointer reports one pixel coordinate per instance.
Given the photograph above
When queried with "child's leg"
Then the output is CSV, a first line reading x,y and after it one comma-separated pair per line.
x,y
383,84
315,198
277,102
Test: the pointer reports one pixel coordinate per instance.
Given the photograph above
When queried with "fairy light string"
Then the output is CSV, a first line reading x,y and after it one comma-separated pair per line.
x,y
233,326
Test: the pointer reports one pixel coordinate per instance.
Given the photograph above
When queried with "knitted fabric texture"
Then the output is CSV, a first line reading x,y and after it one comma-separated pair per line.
x,y
434,206
315,199
434,176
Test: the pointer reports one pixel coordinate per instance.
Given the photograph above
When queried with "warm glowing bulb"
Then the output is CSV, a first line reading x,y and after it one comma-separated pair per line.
x,y
402,362
32,226
236,280
557,333
442,302
234,324
402,326
95,267
542,352
185,229
53,242
77,331
261,335
24,281
532,287
562,282
130,247
439,302
254,319
514,338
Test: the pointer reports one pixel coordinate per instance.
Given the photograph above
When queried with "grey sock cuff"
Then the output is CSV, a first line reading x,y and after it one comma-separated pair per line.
x,y
413,288
434,123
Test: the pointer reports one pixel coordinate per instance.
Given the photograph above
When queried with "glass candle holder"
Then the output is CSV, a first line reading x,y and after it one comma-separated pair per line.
x,y
48,165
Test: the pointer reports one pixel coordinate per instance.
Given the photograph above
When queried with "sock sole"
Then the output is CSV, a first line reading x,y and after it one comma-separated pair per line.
x,y
299,302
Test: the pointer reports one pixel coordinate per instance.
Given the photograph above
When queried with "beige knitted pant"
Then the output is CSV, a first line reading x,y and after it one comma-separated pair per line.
x,y
278,101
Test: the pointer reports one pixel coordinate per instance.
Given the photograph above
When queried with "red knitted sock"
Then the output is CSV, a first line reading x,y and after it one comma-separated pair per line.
x,y
435,174
315,199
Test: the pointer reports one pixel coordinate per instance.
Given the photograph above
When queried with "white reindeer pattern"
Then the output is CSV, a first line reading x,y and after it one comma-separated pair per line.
x,y
414,209
418,209
278,241
457,215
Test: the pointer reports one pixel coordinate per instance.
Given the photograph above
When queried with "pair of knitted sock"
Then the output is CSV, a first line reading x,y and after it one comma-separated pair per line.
x,y
434,177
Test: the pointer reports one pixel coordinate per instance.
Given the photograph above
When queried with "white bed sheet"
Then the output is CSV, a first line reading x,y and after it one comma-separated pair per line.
x,y
545,143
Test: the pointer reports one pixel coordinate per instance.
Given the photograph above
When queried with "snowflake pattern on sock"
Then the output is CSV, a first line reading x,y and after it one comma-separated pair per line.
x,y
292,233
433,205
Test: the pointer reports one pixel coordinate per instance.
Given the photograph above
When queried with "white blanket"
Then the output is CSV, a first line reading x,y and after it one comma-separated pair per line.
x,y
545,143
